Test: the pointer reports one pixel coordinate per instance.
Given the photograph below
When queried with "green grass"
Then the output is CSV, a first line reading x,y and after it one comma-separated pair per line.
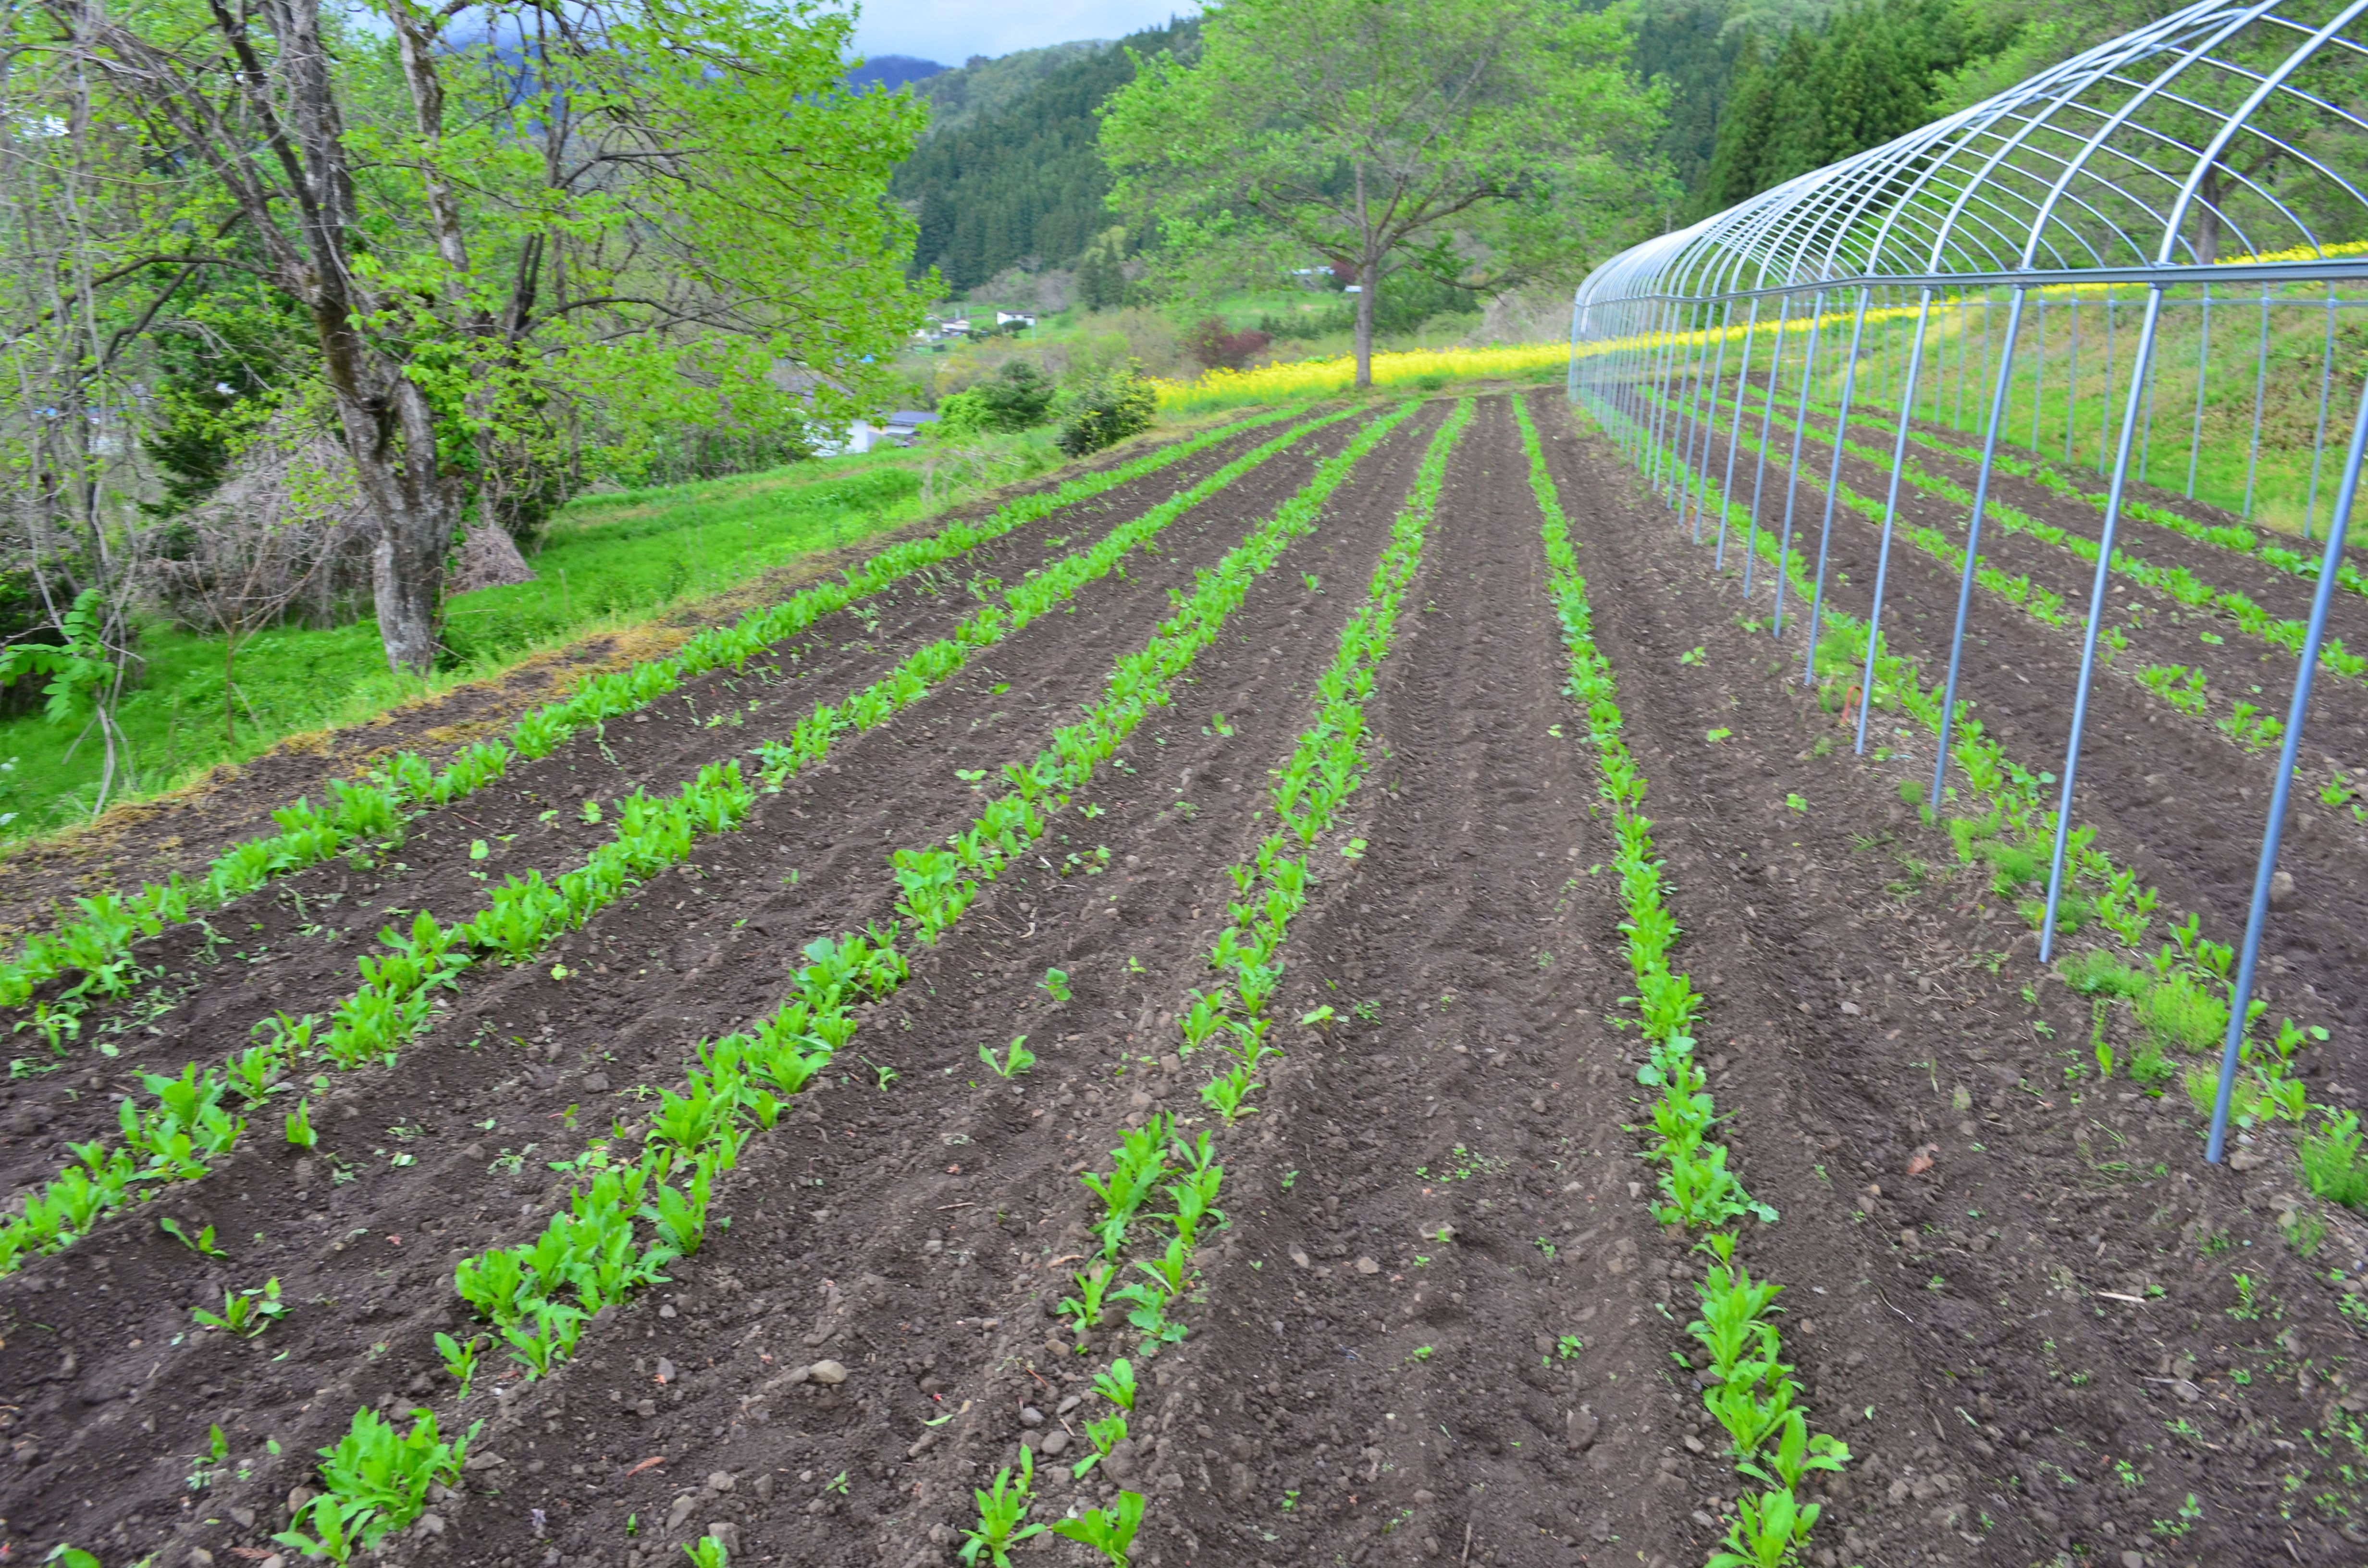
x,y
606,561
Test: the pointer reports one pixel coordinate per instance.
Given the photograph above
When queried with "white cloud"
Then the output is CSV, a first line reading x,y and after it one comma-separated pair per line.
x,y
953,31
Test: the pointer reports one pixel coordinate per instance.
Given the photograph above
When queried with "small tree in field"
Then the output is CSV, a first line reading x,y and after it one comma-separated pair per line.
x,y
1489,142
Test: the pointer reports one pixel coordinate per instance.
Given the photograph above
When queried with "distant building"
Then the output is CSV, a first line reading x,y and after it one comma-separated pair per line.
x,y
866,435
1004,318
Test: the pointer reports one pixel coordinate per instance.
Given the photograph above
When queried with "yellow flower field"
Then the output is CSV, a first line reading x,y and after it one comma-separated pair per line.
x,y
1323,378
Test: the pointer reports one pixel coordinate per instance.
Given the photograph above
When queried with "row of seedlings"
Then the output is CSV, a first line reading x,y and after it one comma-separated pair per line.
x,y
2177,991
595,1253
2177,583
360,816
1230,1021
2237,539
190,1123
1751,1392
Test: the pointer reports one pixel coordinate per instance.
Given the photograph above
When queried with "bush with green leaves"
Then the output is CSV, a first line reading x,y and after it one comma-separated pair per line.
x,y
1107,409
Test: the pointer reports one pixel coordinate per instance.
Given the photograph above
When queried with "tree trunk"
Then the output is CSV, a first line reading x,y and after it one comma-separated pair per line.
x,y
1368,281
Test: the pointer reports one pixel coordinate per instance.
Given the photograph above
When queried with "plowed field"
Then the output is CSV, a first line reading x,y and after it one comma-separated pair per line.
x,y
1286,790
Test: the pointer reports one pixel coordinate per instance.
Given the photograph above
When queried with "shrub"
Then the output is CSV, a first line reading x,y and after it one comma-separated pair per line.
x,y
1219,349
1107,410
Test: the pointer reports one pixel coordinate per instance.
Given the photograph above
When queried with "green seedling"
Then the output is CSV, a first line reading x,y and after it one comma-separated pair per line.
x,y
459,1359
202,1244
1768,1532
329,1540
71,1556
1000,1512
1018,1060
1321,1019
707,1553
1104,1435
1117,1385
1087,1306
1055,985
1111,1530
1227,1095
246,1313
299,1126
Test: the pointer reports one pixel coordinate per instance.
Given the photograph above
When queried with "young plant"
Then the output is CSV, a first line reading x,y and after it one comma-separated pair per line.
x,y
1117,1385
1013,1063
330,1541
707,1553
1768,1530
1087,1306
1000,1512
459,1359
1104,1435
1055,985
1111,1530
246,1313
299,1127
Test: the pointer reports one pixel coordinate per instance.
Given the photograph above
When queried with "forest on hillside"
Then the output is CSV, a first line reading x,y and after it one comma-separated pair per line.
x,y
1752,91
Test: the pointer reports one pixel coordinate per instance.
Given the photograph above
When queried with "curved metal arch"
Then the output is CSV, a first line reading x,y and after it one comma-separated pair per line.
x,y
2063,168
2092,192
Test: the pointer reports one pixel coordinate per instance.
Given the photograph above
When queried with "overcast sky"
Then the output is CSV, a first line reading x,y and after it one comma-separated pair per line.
x,y
953,30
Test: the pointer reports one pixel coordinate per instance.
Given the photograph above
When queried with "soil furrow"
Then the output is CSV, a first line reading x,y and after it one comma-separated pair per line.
x,y
184,832
213,1025
547,1058
926,1253
2021,1283
1438,1190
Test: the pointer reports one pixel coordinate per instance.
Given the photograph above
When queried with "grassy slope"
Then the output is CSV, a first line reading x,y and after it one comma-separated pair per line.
x,y
606,561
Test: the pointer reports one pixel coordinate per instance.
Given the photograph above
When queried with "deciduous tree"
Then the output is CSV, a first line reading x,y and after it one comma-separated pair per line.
x,y
1488,142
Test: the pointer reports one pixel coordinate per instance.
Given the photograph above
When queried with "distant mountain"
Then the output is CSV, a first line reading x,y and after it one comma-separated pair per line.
x,y
893,70
1008,173
985,86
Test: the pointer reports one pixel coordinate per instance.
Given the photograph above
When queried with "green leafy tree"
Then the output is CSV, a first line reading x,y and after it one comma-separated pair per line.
x,y
1487,143
501,223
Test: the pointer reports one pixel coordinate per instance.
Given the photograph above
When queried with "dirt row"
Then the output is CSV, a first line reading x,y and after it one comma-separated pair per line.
x,y
1440,1324
291,950
185,830
2032,1266
448,1152
2158,628
2169,795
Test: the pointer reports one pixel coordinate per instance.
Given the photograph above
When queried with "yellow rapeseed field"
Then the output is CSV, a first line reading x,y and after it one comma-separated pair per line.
x,y
1323,378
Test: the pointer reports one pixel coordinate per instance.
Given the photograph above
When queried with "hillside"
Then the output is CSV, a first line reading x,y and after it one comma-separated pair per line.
x,y
1009,174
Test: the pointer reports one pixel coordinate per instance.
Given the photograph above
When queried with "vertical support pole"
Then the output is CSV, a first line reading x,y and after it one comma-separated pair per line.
x,y
1657,379
2105,409
1707,423
1767,422
1891,510
1974,541
1793,474
1734,436
1963,310
2039,376
1833,489
2260,389
2095,619
2240,996
2072,378
2319,441
2202,380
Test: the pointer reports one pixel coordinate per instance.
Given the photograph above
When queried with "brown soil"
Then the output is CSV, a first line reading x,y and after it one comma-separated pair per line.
x,y
184,831
1360,1385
